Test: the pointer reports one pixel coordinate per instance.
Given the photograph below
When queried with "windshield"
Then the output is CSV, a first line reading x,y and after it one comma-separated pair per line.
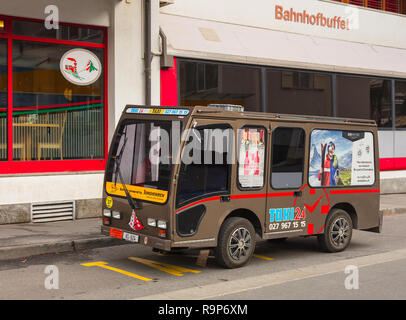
x,y
142,149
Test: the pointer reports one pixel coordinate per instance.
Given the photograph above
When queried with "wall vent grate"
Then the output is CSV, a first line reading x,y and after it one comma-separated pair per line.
x,y
52,211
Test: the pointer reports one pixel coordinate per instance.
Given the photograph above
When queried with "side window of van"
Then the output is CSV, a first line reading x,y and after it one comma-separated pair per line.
x,y
206,163
288,149
251,157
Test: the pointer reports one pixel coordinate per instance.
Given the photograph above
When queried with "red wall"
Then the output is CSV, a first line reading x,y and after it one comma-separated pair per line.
x,y
169,86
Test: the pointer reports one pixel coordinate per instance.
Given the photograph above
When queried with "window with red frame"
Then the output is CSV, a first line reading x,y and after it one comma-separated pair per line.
x,y
374,4
392,6
52,96
395,6
357,2
3,99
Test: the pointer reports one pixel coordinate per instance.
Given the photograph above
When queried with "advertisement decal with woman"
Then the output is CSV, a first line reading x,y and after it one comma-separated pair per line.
x,y
251,157
341,158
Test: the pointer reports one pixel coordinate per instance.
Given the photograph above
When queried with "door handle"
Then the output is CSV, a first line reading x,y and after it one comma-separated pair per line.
x,y
225,198
297,193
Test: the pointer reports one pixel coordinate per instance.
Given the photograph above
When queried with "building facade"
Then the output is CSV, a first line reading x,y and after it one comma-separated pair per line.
x,y
62,90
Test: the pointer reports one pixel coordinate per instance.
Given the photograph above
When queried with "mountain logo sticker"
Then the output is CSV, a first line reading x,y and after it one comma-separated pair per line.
x,y
80,66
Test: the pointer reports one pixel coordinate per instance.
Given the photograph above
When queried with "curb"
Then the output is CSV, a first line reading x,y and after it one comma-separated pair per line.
x,y
392,211
17,252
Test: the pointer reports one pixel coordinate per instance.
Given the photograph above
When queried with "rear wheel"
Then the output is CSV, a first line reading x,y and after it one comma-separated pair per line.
x,y
236,243
338,232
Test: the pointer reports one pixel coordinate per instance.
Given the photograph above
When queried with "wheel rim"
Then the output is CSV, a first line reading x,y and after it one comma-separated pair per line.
x,y
240,243
340,232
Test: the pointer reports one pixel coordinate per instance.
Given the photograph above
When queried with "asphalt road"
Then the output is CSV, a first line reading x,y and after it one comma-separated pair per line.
x,y
295,269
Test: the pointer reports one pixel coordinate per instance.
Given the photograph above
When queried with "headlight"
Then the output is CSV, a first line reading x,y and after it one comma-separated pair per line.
x,y
106,213
151,222
116,215
162,224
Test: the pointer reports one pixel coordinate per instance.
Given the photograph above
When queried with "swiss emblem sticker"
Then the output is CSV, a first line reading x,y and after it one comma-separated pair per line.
x,y
134,223
80,66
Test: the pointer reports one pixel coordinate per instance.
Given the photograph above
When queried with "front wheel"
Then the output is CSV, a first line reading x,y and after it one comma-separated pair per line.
x,y
236,243
338,232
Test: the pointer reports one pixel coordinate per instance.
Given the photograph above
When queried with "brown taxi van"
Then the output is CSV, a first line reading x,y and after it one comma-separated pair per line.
x,y
215,177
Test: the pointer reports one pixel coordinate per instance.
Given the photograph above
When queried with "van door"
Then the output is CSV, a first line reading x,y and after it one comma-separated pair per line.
x,y
286,213
203,183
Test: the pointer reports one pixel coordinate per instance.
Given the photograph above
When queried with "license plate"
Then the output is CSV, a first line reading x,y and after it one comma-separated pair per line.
x,y
131,237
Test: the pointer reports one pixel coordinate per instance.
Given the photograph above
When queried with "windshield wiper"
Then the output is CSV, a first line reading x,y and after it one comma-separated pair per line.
x,y
133,204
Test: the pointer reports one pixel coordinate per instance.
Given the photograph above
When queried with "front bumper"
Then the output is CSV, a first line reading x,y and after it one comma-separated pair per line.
x,y
145,240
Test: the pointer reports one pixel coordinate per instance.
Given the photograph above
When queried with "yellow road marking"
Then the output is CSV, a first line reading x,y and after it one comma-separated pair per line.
x,y
165,267
262,257
103,265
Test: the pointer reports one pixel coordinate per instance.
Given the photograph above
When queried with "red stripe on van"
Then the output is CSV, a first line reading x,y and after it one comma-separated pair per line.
x,y
355,191
321,229
240,196
197,202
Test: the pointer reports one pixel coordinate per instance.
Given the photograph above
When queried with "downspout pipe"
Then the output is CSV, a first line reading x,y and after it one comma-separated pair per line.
x,y
147,52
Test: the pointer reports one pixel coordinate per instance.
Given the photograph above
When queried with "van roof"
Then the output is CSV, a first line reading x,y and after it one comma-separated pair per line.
x,y
215,112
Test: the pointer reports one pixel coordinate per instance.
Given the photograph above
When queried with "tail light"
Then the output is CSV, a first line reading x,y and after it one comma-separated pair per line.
x,y
106,221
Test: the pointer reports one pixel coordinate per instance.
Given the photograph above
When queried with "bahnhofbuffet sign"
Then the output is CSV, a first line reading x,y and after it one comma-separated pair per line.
x,y
311,18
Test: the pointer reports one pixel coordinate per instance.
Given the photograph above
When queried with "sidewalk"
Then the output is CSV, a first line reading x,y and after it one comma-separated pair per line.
x,y
28,239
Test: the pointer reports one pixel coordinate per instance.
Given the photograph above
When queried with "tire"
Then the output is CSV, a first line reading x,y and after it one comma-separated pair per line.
x,y
338,232
236,243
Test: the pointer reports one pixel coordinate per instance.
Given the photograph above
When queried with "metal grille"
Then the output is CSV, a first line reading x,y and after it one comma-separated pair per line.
x,y
53,211
375,4
392,6
357,2
58,135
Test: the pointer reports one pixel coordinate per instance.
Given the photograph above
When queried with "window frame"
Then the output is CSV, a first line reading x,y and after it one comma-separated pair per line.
x,y
10,166
241,188
206,195
272,152
110,164
395,128
349,186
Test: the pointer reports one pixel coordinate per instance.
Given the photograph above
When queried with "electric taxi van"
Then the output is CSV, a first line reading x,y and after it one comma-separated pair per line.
x,y
215,177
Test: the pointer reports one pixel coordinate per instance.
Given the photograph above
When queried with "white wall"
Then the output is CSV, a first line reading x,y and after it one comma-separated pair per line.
x,y
127,56
32,189
374,27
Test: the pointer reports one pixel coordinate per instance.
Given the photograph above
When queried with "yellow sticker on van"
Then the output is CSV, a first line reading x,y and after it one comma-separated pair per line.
x,y
109,202
141,193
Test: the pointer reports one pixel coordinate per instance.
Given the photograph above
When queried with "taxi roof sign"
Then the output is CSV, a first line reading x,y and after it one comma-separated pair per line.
x,y
174,112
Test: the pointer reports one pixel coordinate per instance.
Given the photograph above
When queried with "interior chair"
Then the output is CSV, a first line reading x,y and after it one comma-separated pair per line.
x,y
16,146
56,140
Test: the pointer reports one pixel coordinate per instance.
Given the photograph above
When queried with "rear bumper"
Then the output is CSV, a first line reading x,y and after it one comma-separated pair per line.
x,y
145,240
377,229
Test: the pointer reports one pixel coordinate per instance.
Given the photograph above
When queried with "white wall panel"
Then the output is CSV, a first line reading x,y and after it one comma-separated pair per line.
x,y
385,140
400,144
